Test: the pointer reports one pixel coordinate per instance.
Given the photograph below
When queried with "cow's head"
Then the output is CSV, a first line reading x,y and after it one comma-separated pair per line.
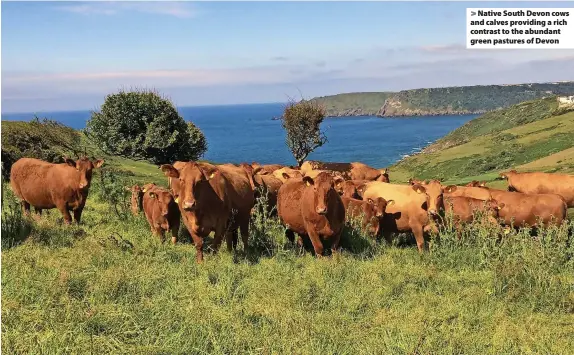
x,y
434,195
505,175
163,198
136,199
322,186
191,179
494,206
84,166
413,181
380,204
384,177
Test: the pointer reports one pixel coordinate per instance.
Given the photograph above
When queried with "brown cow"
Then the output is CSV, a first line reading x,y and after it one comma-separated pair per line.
x,y
371,212
136,200
160,209
267,183
350,171
349,188
312,207
541,183
265,169
463,209
475,183
414,209
286,173
45,185
524,210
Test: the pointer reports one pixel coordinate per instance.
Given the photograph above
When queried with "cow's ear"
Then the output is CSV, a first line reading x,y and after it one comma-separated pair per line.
x,y
169,170
308,181
390,202
450,188
482,183
370,201
338,181
419,189
500,206
177,199
209,173
285,176
70,162
152,194
98,163
257,170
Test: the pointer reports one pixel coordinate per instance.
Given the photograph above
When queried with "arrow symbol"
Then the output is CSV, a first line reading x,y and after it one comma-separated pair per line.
x,y
472,13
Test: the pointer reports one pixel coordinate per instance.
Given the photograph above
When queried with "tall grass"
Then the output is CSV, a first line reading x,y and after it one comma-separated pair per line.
x,y
109,286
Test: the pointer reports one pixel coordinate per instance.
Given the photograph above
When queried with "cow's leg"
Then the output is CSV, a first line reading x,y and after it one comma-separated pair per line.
x,y
418,231
231,240
336,240
78,214
290,235
220,232
65,212
198,242
174,231
26,208
387,234
316,241
244,228
38,211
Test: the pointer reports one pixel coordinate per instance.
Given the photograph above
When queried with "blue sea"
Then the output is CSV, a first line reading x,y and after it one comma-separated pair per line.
x,y
246,133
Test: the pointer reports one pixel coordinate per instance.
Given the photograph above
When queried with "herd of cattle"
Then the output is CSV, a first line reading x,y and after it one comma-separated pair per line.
x,y
313,201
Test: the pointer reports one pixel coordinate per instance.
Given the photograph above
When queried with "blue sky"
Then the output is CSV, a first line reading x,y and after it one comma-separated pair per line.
x,y
69,55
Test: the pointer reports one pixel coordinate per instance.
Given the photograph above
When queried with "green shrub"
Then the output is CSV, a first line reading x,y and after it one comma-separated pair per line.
x,y
143,125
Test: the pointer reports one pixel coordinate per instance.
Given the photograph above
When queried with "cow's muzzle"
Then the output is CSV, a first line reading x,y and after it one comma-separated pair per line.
x,y
189,205
322,211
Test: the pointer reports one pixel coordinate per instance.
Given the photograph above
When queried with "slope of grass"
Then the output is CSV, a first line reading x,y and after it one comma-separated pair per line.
x,y
434,101
108,286
508,138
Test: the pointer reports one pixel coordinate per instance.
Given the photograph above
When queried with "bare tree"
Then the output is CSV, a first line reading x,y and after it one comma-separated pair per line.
x,y
302,120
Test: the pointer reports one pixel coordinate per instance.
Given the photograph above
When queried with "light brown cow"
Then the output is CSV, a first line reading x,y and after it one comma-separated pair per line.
x,y
160,209
204,201
465,191
350,171
313,208
414,209
525,210
45,185
541,183
370,211
289,172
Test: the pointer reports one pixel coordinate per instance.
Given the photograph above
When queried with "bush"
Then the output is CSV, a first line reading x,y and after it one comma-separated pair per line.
x,y
143,125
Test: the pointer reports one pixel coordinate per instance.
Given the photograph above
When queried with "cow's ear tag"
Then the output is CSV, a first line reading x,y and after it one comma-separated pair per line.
x,y
307,183
212,175
144,190
177,200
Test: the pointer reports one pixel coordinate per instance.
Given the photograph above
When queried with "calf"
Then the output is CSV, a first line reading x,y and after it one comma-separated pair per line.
x,y
349,188
371,212
541,183
463,209
313,208
414,209
45,185
161,210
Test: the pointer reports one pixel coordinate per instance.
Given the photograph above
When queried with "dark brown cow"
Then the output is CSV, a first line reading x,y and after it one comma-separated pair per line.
x,y
160,209
414,209
45,185
525,210
349,171
541,183
312,207
370,211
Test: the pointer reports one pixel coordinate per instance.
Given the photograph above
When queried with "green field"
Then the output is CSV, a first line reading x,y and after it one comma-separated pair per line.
x,y
108,286
440,101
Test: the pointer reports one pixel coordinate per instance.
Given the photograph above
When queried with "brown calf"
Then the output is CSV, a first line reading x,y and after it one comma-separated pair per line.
x,y
45,185
370,211
160,209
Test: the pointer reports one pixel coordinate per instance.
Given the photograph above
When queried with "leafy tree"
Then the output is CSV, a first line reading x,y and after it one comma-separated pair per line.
x,y
143,125
302,120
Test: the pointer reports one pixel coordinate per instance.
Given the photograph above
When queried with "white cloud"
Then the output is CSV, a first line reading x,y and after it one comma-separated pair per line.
x,y
172,8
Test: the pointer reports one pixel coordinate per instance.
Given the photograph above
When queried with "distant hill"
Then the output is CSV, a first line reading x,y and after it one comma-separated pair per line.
x,y
535,135
439,101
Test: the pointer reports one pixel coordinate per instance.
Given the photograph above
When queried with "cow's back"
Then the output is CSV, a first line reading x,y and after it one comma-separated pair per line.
x,y
40,183
361,171
241,192
526,209
544,183
478,193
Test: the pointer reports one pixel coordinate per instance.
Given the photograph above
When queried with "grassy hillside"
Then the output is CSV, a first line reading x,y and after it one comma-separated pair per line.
x,y
534,135
109,286
440,101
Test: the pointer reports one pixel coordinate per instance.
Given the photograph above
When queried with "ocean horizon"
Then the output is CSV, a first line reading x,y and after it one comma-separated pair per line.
x,y
247,132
